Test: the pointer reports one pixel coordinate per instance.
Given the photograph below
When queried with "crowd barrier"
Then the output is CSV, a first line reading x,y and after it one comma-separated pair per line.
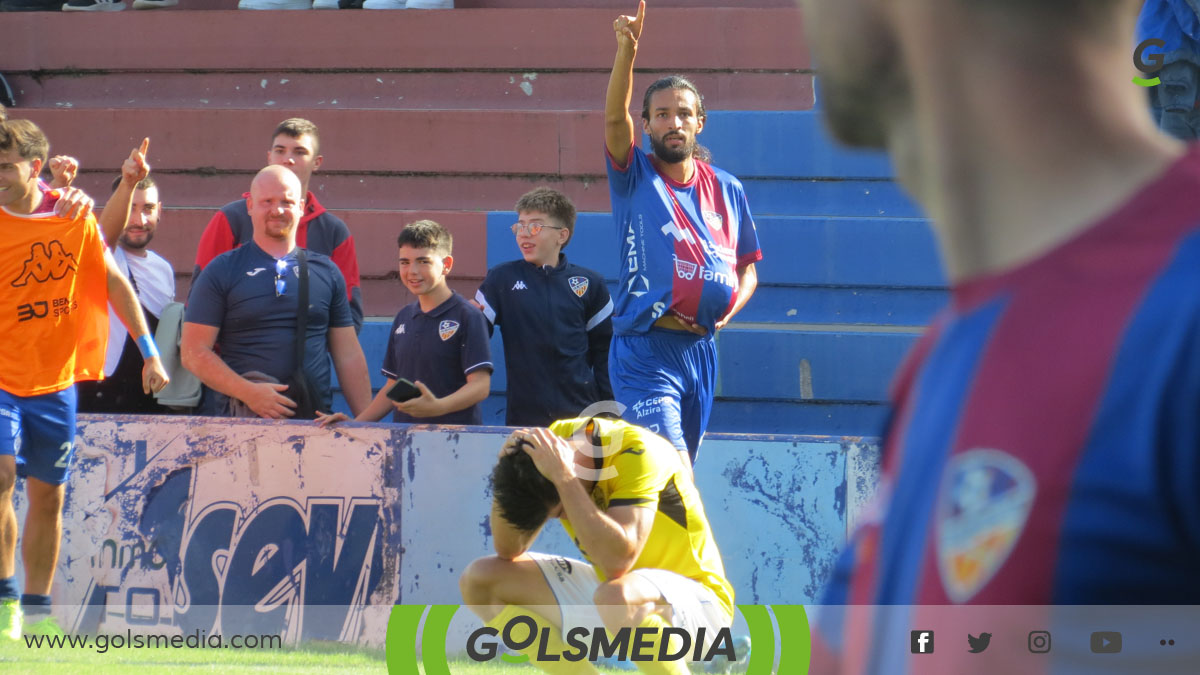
x,y
188,525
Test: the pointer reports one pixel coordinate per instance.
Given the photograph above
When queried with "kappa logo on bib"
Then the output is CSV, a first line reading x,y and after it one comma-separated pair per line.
x,y
983,505
447,329
579,285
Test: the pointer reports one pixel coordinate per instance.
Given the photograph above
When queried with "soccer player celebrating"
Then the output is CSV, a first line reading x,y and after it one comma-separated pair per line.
x,y
688,252
1045,446
58,280
626,498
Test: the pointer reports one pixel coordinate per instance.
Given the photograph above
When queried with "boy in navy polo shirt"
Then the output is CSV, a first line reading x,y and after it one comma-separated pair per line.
x,y
439,342
556,317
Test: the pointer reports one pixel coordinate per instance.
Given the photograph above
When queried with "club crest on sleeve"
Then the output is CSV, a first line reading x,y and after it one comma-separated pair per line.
x,y
447,329
579,285
983,505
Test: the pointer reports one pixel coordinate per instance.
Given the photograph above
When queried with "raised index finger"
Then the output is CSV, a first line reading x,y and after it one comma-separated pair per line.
x,y
145,146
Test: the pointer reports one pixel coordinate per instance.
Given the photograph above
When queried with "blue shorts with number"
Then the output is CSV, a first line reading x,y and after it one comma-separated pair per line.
x,y
40,432
666,379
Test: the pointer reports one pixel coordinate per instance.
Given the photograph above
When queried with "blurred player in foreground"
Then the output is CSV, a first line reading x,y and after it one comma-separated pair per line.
x,y
1045,442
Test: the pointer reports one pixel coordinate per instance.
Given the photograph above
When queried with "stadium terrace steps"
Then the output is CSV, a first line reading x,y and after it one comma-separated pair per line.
x,y
798,250
374,232
751,145
734,39
418,125
383,89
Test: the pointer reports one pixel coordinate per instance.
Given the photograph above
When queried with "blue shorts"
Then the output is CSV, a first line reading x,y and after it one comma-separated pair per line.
x,y
40,432
666,379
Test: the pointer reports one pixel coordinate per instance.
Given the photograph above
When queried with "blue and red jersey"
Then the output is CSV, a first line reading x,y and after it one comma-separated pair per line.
x,y
1045,442
681,243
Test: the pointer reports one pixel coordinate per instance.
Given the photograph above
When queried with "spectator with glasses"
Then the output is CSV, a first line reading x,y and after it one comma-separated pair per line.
x,y
555,317
245,303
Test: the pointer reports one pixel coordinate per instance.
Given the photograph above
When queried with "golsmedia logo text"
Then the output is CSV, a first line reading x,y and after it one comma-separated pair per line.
x,y
413,627
632,644
1148,63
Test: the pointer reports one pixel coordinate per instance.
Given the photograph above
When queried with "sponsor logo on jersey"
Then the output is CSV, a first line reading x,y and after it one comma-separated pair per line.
x,y
633,265
579,285
46,262
255,271
689,270
447,329
684,269
400,330
648,406
714,220
671,229
519,286
983,506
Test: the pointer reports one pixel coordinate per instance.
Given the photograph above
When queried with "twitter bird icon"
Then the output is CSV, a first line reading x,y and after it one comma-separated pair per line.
x,y
980,643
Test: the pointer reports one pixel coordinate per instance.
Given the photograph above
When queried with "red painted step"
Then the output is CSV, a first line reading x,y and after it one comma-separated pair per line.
x,y
388,90
442,192
720,39
374,233
362,141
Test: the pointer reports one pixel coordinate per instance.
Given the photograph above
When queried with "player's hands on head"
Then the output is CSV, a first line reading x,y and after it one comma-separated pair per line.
x,y
73,203
63,170
629,28
425,405
325,420
266,399
154,376
552,454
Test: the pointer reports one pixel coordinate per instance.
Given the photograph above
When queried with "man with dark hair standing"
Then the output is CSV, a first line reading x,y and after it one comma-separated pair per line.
x,y
556,317
128,223
1045,442
295,145
688,248
626,498
246,303
58,280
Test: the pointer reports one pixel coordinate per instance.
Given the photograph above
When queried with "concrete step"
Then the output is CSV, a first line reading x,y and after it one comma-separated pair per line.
x,y
374,234
726,39
384,89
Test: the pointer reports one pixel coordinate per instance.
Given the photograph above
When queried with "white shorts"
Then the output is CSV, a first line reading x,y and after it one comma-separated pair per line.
x,y
574,583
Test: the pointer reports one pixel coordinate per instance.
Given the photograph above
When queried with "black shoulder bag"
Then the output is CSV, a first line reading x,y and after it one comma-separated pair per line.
x,y
300,387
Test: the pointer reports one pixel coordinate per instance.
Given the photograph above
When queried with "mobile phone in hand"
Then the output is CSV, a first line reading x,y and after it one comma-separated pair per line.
x,y
403,391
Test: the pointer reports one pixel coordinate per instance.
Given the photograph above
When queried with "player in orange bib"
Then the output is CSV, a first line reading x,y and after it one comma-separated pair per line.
x,y
56,278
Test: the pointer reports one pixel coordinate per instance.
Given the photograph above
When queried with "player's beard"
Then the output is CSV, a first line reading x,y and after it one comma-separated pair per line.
x,y
673,155
138,245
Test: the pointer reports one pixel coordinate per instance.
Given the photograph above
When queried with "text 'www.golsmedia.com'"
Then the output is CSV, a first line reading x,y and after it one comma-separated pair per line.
x,y
196,640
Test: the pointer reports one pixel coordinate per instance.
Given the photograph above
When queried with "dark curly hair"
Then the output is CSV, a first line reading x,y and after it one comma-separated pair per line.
x,y
522,493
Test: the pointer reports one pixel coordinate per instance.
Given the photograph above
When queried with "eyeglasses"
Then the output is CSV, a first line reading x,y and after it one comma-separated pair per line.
x,y
534,228
280,279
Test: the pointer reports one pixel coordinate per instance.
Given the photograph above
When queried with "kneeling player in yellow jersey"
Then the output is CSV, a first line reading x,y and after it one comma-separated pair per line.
x,y
625,497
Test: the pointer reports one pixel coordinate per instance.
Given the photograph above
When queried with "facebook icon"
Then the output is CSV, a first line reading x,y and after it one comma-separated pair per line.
x,y
921,642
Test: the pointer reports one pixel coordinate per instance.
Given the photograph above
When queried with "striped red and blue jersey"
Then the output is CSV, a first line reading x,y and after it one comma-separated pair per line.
x,y
681,243
1044,447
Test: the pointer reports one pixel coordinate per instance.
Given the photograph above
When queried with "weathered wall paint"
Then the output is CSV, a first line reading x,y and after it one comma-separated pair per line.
x,y
178,525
